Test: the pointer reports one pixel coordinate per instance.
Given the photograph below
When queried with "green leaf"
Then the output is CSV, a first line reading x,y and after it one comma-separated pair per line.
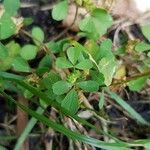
x,y
11,6
107,68
19,64
96,24
98,77
2,148
7,27
84,65
93,49
70,102
140,47
28,52
87,26
146,31
38,34
89,86
3,52
54,46
49,80
6,64
13,48
61,87
62,62
73,54
138,84
106,49
128,108
60,10
45,62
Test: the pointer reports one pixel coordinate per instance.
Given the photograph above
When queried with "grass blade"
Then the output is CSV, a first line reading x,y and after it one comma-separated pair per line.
x,y
73,135
28,129
135,115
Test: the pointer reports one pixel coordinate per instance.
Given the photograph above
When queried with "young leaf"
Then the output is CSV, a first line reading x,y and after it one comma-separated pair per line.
x,y
128,108
60,10
84,65
89,86
137,85
73,54
97,23
19,64
28,52
70,102
140,47
7,26
62,62
11,6
38,34
61,87
107,68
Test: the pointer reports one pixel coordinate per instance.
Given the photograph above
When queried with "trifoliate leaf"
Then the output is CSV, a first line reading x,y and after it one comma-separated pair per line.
x,y
96,24
28,52
89,86
71,102
61,87
60,10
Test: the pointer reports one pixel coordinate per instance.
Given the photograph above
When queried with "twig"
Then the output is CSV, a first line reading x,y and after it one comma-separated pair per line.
x,y
128,79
